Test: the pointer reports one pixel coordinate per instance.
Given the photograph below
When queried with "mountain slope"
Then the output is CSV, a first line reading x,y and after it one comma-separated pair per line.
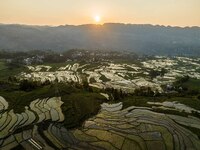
x,y
146,39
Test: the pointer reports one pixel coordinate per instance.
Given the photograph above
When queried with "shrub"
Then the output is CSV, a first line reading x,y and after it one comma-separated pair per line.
x,y
144,91
26,85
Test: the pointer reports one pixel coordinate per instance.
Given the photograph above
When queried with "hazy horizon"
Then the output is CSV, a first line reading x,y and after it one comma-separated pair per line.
x,y
97,24
180,13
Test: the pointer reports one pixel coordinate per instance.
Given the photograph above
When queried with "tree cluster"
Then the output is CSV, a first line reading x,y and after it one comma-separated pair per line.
x,y
144,91
155,73
115,93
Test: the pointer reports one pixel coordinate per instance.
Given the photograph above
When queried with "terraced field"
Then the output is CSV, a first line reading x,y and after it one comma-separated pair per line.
x,y
112,128
71,117
119,76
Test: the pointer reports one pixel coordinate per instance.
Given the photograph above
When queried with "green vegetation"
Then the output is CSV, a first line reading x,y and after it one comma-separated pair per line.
x,y
11,72
136,101
19,147
79,101
103,78
79,106
56,66
92,80
155,73
189,101
6,70
193,84
18,99
92,66
2,65
115,94
141,101
187,86
144,91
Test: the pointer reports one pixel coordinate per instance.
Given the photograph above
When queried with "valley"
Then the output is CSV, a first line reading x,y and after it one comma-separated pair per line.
x,y
148,102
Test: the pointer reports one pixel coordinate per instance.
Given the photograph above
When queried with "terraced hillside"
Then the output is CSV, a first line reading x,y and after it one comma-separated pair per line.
x,y
153,73
150,104
112,128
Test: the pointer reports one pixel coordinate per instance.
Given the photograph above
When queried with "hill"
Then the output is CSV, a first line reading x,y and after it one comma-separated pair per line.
x,y
146,39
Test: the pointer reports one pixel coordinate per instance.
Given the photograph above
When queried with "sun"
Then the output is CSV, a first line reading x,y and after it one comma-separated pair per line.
x,y
97,19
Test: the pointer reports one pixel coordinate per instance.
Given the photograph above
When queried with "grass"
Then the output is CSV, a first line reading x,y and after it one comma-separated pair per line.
x,y
79,104
192,84
18,99
135,101
92,66
19,147
103,78
5,73
141,101
2,65
92,80
126,61
55,66
189,101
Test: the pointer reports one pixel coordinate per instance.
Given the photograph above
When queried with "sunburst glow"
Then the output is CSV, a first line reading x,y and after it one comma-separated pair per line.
x,y
97,19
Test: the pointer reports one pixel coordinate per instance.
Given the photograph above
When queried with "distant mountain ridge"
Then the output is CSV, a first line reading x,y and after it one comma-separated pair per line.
x,y
146,39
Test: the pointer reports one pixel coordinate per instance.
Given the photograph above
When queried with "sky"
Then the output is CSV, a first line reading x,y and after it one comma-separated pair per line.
x,y
75,12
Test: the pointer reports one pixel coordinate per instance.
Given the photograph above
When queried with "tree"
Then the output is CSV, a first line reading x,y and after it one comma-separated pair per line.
x,y
163,71
154,74
144,91
183,79
26,85
85,84
116,94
